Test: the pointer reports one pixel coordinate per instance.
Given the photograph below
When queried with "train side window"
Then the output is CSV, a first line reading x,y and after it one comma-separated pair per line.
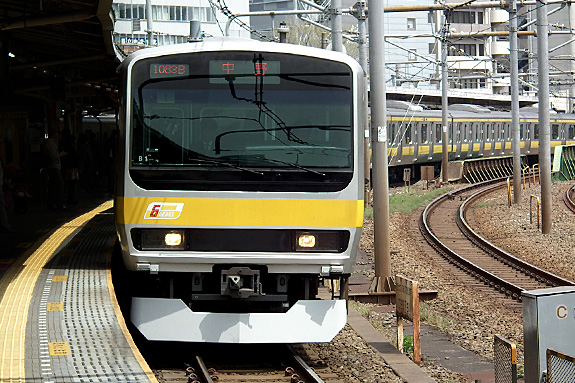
x,y
571,134
423,135
508,130
438,134
487,132
555,131
536,131
521,127
408,134
392,139
465,133
499,131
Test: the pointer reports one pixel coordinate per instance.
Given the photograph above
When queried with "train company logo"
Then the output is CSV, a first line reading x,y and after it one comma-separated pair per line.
x,y
164,210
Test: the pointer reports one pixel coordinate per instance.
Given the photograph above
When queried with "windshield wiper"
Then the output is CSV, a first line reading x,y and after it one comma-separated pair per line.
x,y
291,164
226,164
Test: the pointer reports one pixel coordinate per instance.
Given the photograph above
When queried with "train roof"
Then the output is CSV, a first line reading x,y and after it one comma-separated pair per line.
x,y
238,44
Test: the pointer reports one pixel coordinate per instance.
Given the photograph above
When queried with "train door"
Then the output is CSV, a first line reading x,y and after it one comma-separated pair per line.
x,y
425,148
407,143
463,144
555,134
437,140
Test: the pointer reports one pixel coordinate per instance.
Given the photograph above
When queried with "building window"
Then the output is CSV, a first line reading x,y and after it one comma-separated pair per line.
x,y
164,13
412,55
466,50
411,24
433,48
463,17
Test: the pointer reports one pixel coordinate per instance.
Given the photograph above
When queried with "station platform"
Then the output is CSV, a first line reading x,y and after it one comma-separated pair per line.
x,y
59,320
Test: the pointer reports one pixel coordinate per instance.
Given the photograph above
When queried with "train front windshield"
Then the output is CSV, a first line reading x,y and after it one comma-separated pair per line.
x,y
241,121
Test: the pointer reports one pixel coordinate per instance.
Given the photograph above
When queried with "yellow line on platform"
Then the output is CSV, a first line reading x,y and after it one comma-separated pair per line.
x,y
16,288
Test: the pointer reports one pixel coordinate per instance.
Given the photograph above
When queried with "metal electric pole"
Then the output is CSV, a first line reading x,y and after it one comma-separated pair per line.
x,y
149,23
381,241
571,107
444,101
336,26
544,124
359,13
514,83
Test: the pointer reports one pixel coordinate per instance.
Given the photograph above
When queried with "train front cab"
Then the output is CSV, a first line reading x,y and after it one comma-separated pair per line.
x,y
261,216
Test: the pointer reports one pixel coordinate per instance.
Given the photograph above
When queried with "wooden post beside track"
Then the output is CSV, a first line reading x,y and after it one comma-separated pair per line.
x,y
407,306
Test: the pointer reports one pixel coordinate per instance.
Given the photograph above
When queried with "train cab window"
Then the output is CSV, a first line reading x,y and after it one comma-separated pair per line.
x,y
423,135
555,131
571,133
438,135
536,131
408,134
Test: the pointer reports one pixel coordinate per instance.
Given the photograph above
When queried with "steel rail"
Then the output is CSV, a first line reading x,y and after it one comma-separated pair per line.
x,y
479,273
306,372
526,268
569,198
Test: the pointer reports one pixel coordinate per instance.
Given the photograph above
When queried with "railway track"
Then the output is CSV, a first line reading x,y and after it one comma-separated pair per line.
x,y
569,198
444,227
277,363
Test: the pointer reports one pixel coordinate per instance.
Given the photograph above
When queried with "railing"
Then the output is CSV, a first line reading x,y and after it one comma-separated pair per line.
x,y
560,367
504,360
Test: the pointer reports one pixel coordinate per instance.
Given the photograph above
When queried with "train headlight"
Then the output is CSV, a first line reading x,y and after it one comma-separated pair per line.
x,y
306,241
173,239
160,239
321,241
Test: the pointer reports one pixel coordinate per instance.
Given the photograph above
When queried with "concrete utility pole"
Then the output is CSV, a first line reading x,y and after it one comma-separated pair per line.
x,y
544,124
571,107
514,83
149,23
360,15
444,101
382,281
336,26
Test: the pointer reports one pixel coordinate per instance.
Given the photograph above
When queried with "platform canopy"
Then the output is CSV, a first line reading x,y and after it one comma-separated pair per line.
x,y
58,50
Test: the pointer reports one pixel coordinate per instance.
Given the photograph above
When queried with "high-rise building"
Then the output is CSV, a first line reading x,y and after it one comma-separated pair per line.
x,y
171,21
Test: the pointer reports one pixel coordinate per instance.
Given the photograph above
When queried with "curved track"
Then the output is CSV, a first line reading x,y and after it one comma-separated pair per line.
x,y
569,198
444,226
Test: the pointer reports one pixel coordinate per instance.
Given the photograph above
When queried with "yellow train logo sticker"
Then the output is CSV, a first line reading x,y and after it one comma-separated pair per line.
x,y
164,210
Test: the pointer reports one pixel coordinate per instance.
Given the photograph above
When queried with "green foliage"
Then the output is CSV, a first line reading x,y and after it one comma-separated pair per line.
x,y
521,372
408,344
407,202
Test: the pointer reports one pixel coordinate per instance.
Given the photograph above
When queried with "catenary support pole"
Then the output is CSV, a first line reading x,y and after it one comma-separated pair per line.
x,y
336,26
514,82
571,107
381,240
149,23
359,13
444,101
544,124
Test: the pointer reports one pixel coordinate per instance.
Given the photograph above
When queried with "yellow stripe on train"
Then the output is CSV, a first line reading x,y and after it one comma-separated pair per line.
x,y
241,212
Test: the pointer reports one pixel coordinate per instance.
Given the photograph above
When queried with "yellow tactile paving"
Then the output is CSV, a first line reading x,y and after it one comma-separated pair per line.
x,y
16,289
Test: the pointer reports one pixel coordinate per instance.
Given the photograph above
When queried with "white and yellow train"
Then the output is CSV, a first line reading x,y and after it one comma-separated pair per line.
x,y
474,132
240,190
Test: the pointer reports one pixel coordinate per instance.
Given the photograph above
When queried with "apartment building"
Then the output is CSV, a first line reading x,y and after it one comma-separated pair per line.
x,y
171,21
